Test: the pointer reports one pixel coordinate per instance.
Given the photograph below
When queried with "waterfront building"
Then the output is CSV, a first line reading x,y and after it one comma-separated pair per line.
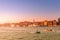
x,y
42,24
36,24
54,23
50,23
45,23
12,25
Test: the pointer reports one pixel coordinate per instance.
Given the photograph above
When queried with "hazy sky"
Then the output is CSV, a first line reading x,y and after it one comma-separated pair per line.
x,y
21,10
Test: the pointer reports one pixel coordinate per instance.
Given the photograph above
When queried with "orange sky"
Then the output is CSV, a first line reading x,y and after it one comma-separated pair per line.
x,y
18,19
27,10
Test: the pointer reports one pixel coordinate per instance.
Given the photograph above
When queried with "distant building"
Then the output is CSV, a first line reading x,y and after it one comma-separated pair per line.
x,y
30,24
45,23
21,24
54,23
36,24
42,24
50,23
13,25
6,24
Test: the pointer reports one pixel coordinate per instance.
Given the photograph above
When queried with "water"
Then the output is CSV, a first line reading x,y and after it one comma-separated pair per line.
x,y
28,33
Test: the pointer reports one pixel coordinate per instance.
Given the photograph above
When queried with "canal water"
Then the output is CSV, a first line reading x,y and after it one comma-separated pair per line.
x,y
29,33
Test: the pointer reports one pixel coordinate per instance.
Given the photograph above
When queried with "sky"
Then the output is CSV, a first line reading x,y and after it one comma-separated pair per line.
x,y
27,10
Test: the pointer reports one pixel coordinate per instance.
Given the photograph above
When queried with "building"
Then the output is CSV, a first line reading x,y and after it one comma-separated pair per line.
x,y
42,24
36,24
50,23
54,23
45,23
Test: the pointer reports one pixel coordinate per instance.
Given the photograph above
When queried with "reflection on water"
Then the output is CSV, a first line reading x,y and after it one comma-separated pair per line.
x,y
28,36
17,36
25,33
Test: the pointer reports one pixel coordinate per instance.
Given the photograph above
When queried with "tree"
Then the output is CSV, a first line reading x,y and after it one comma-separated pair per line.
x,y
59,21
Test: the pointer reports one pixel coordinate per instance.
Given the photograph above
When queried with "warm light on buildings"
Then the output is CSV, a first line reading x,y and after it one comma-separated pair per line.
x,y
33,24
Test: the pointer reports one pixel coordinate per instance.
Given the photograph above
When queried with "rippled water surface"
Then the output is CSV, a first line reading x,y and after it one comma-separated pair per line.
x,y
26,34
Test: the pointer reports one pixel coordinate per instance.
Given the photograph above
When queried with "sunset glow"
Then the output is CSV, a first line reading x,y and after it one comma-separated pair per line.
x,y
27,10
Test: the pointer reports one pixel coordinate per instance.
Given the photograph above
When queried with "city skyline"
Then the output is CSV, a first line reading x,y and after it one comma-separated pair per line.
x,y
27,10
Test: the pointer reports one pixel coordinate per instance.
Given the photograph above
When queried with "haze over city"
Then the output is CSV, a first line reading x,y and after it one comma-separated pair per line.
x,y
27,10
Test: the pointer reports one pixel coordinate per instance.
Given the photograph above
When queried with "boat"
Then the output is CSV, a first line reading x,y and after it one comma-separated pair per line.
x,y
48,30
37,32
